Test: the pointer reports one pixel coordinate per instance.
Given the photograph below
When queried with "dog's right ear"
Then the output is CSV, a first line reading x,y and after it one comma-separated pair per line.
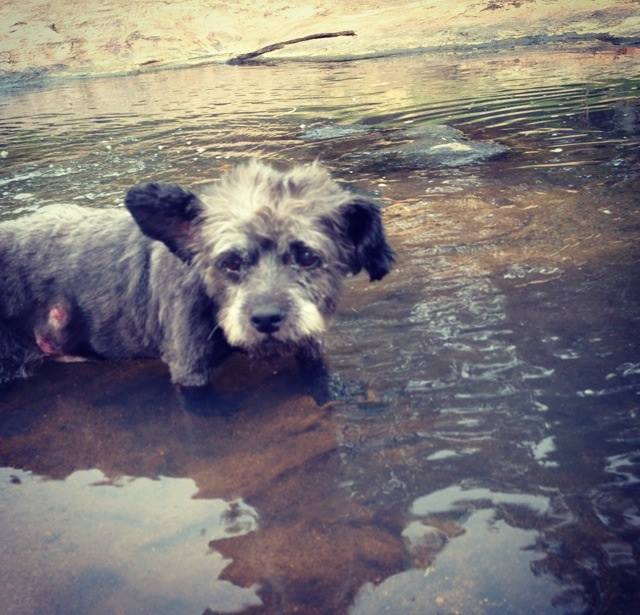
x,y
168,213
364,231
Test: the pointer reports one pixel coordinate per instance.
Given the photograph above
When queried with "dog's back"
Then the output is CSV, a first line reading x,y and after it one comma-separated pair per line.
x,y
97,256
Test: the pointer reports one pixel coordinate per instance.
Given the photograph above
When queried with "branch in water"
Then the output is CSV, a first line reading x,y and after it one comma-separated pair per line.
x,y
249,56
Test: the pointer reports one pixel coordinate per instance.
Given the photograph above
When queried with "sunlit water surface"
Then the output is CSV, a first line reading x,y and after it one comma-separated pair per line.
x,y
484,454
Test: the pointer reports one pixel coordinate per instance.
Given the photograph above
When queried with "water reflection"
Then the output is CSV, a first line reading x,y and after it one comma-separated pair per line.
x,y
94,544
488,559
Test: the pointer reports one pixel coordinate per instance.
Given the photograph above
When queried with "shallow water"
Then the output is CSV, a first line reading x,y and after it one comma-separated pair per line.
x,y
484,456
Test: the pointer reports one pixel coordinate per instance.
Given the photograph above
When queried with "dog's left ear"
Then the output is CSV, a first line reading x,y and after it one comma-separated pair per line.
x,y
168,213
364,230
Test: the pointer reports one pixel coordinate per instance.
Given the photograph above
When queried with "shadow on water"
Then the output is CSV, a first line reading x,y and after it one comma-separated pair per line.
x,y
484,457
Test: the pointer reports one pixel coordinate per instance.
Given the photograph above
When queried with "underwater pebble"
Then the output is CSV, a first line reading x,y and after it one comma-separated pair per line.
x,y
418,535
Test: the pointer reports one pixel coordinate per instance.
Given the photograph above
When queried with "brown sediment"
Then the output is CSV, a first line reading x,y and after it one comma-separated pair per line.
x,y
277,452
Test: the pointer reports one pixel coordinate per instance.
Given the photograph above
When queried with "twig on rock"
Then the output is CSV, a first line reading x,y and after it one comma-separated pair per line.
x,y
241,59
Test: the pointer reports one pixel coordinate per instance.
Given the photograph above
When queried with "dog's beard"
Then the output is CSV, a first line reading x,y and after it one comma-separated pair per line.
x,y
304,324
272,348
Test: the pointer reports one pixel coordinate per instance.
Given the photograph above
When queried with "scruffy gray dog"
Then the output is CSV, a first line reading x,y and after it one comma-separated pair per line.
x,y
253,262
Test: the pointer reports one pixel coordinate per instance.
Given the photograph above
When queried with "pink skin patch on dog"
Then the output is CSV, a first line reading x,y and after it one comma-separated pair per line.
x,y
46,347
57,319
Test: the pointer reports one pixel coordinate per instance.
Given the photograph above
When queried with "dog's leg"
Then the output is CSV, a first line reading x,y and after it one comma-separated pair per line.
x,y
314,372
191,371
311,361
204,401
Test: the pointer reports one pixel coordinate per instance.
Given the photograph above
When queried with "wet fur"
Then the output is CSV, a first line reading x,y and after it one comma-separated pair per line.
x,y
149,282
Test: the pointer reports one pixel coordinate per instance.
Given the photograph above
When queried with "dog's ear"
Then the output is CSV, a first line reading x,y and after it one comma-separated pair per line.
x,y
168,213
364,231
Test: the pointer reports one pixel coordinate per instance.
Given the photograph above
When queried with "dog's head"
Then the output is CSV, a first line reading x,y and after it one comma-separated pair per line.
x,y
271,247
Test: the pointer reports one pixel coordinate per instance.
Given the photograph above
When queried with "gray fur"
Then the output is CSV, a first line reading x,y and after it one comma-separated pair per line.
x,y
185,278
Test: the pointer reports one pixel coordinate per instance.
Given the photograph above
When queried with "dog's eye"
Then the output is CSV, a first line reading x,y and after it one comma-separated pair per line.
x,y
232,262
305,257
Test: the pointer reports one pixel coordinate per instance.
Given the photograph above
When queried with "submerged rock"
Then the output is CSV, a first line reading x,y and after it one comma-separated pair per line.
x,y
420,536
435,146
423,542
390,148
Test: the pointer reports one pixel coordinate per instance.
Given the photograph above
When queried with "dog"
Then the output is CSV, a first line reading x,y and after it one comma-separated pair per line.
x,y
253,262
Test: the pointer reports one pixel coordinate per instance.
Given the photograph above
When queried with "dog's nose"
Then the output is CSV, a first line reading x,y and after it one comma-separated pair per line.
x,y
267,319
